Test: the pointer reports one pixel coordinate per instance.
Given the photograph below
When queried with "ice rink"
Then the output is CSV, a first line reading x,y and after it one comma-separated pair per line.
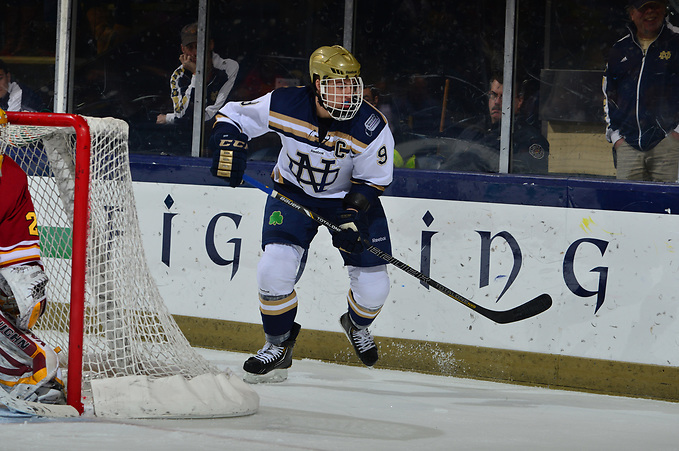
x,y
334,407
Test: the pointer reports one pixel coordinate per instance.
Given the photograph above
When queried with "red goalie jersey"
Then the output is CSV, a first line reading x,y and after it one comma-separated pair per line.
x,y
19,240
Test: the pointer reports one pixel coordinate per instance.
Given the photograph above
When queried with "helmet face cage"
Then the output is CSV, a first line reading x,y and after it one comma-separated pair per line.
x,y
341,87
341,97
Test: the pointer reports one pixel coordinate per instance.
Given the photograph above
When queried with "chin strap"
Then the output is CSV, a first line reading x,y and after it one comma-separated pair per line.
x,y
320,99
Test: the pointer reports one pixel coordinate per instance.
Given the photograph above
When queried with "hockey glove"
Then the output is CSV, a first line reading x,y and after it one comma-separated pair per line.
x,y
229,156
349,239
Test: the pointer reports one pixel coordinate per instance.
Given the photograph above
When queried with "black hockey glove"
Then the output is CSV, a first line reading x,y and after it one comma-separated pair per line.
x,y
349,239
229,156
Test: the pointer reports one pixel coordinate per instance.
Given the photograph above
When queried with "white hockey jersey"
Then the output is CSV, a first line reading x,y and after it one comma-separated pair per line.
x,y
360,150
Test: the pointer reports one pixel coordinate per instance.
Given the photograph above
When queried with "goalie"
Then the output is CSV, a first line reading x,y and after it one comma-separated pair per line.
x,y
29,368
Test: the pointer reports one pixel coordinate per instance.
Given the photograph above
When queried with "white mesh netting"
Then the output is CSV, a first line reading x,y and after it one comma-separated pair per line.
x,y
128,329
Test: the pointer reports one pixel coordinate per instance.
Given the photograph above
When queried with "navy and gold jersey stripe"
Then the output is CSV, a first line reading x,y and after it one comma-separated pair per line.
x,y
287,105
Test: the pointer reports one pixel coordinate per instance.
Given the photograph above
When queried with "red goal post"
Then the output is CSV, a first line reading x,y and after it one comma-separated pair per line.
x,y
79,244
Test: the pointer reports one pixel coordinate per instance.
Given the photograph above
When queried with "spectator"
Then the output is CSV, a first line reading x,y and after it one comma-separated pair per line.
x,y
479,144
109,23
220,77
641,96
19,25
16,96
372,95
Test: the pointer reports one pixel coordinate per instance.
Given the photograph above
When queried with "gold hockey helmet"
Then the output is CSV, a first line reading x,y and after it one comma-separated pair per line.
x,y
341,87
333,62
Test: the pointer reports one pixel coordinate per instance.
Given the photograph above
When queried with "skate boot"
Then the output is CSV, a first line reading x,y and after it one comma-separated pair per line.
x,y
272,361
361,340
51,392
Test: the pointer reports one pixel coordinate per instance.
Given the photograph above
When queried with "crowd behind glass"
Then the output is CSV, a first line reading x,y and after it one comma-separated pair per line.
x,y
434,68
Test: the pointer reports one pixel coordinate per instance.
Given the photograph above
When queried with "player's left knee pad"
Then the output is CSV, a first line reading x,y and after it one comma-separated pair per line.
x,y
369,290
26,362
277,269
24,289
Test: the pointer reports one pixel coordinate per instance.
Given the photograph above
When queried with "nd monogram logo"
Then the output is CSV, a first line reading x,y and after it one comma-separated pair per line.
x,y
665,55
319,178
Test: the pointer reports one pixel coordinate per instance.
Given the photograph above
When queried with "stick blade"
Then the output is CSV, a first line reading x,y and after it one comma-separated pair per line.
x,y
524,311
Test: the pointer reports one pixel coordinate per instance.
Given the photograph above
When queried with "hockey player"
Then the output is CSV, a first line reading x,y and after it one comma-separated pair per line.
x,y
336,159
29,368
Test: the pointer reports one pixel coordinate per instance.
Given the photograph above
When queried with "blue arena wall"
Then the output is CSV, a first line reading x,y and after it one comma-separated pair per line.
x,y
611,195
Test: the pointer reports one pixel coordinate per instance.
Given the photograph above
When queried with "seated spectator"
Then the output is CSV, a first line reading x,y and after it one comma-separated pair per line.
x,y
372,95
478,146
19,26
16,96
219,80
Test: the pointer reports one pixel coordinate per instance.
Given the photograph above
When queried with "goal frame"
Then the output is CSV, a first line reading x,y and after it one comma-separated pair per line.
x,y
79,246
123,345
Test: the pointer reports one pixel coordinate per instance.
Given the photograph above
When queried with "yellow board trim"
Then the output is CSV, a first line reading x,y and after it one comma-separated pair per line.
x,y
501,365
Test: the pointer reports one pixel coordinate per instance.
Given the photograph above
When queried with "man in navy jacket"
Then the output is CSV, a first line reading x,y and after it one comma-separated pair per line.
x,y
641,96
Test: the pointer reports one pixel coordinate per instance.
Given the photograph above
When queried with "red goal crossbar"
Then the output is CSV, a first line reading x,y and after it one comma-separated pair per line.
x,y
79,246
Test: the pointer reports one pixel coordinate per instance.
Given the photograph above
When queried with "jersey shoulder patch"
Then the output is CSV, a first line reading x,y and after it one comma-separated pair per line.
x,y
368,123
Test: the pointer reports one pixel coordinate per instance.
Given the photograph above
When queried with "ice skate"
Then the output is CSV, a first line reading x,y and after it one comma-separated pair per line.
x,y
51,392
272,361
361,340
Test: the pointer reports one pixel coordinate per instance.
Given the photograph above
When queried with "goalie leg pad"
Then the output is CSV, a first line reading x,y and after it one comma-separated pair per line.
x,y
26,284
369,288
29,368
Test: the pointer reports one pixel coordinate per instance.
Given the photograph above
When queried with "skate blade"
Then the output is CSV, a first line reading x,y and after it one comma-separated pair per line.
x,y
272,377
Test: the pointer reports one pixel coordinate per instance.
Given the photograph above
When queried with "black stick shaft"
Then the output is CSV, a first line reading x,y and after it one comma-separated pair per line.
x,y
527,310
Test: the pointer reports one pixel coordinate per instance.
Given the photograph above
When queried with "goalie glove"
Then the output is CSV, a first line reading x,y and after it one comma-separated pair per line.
x,y
229,156
349,239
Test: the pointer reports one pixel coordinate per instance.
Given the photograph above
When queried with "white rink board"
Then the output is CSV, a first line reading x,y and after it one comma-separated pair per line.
x,y
636,252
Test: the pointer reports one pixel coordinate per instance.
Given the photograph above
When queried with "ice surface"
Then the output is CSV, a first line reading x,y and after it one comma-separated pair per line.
x,y
325,406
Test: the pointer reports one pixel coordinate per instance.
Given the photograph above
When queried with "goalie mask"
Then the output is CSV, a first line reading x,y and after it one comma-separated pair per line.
x,y
341,87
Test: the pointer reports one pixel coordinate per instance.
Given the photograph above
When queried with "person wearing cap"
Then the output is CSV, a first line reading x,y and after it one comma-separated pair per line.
x,y
219,80
641,96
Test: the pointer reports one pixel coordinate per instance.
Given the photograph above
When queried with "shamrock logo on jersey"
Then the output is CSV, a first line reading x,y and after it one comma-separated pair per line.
x,y
276,218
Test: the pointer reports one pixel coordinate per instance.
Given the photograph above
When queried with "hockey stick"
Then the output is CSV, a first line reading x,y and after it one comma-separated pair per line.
x,y
521,312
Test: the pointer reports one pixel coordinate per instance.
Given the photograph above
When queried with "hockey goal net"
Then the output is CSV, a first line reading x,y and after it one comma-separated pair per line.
x,y
105,311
